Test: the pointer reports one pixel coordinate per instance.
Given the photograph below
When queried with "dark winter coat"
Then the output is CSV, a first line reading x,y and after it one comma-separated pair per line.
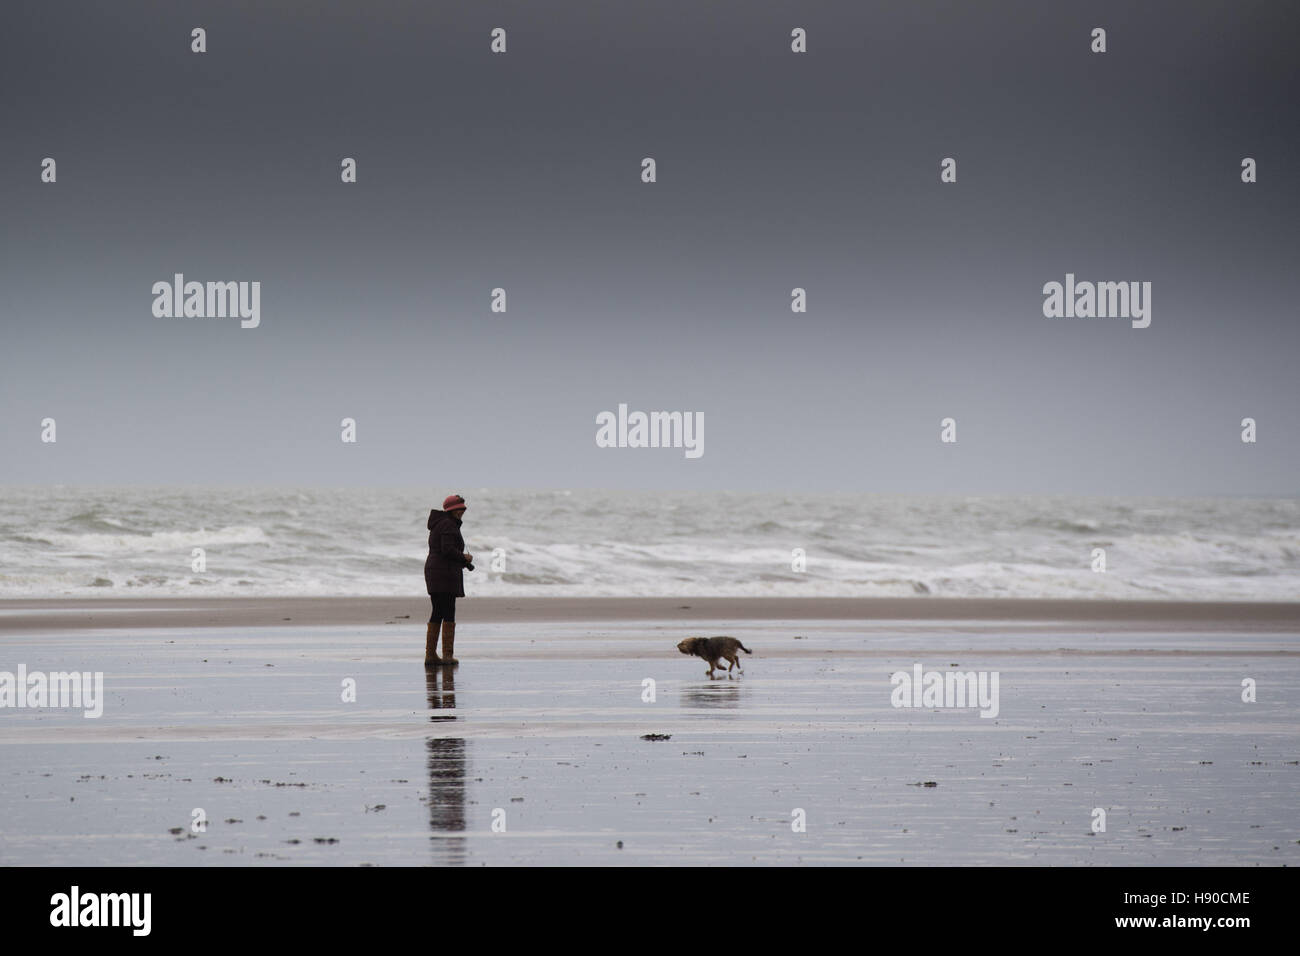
x,y
443,568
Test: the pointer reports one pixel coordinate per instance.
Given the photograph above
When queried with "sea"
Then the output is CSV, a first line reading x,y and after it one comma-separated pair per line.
x,y
70,542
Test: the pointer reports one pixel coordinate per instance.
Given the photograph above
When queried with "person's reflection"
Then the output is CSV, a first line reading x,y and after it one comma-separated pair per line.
x,y
440,682
446,770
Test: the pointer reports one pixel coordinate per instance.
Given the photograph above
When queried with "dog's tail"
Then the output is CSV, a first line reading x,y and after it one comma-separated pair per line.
x,y
744,648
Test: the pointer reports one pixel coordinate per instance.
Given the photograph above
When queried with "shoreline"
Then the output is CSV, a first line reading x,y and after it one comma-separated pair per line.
x,y
71,614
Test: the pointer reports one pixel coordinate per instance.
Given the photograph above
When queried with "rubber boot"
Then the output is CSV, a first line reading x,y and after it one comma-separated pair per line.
x,y
431,658
449,642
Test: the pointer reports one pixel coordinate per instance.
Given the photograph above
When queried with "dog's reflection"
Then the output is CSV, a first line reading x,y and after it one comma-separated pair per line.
x,y
721,694
447,768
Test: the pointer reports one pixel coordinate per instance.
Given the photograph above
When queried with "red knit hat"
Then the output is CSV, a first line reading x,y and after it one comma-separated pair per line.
x,y
453,503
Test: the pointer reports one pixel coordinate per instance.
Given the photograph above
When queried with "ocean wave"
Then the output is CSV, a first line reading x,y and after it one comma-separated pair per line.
x,y
107,544
103,542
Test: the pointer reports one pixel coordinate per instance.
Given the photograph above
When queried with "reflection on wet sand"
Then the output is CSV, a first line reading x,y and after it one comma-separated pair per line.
x,y
716,694
447,765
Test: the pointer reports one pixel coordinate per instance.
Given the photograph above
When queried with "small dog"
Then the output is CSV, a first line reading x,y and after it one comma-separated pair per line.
x,y
713,648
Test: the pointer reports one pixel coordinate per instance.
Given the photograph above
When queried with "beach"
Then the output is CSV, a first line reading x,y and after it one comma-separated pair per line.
x,y
535,751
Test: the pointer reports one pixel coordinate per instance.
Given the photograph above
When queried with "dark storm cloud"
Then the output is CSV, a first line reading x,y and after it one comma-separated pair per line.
x,y
775,170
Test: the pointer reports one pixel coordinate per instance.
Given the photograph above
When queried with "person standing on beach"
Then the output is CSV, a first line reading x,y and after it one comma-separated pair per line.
x,y
443,579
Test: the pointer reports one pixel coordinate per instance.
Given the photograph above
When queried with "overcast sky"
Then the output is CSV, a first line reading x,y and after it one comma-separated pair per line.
x,y
775,170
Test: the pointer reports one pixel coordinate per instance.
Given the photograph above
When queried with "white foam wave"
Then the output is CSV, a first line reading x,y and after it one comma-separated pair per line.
x,y
93,543
67,542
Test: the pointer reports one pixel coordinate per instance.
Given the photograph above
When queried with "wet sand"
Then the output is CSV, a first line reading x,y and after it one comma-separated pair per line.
x,y
1135,710
64,614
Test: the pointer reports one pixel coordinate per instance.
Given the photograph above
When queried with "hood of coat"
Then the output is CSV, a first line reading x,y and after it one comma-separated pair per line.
x,y
435,516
